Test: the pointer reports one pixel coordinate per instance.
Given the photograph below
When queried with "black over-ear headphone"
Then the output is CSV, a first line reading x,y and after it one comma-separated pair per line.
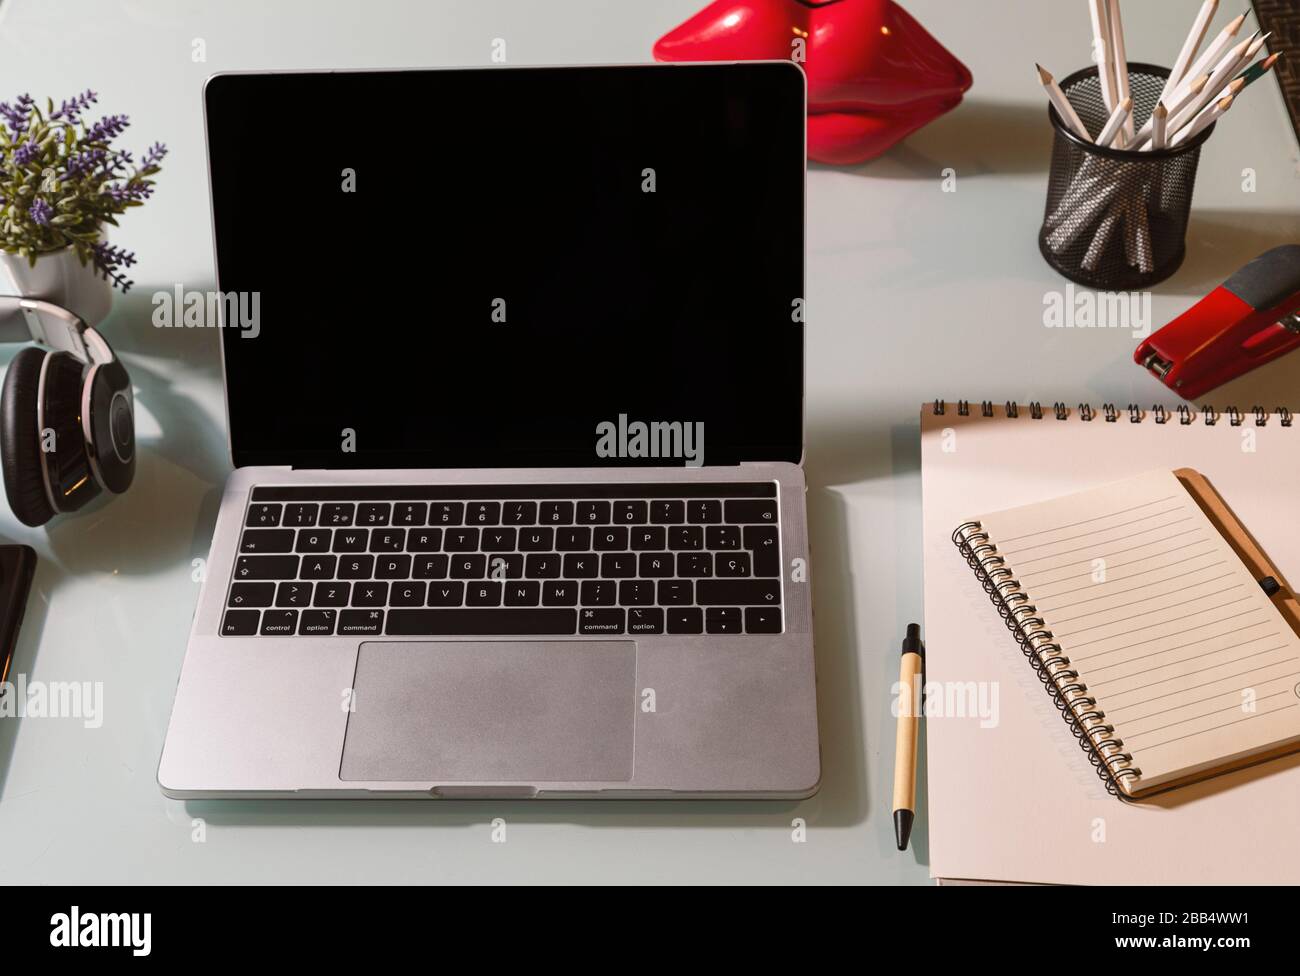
x,y
67,425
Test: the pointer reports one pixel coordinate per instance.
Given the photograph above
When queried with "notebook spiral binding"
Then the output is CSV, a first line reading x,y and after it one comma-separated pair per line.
x,y
1087,722
1064,686
1136,415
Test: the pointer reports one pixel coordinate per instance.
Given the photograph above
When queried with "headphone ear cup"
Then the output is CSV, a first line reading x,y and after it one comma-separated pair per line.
x,y
20,442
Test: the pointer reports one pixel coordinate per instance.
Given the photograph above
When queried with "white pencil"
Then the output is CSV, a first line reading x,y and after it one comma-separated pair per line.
x,y
1119,59
1101,52
1204,120
1159,117
1190,46
1063,107
1215,51
1115,123
1181,101
1219,79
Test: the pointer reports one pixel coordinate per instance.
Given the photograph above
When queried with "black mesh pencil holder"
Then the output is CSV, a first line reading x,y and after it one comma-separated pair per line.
x,y
1116,219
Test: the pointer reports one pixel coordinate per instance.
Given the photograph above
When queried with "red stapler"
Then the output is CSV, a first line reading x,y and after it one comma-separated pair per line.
x,y
1249,320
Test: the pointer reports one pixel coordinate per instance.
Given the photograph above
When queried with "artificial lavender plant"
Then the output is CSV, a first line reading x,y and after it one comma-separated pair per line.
x,y
61,180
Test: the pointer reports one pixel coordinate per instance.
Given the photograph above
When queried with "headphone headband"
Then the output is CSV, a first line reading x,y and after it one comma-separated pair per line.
x,y
52,326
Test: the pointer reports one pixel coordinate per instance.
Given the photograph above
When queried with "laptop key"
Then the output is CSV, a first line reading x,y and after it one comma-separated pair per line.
x,y
555,513
316,623
363,621
540,539
318,567
519,513
542,565
599,593
581,565
314,540
356,567
722,537
574,539
483,513
293,595
630,513
499,540
645,620
505,565
337,513
731,564
449,594
685,620
675,592
738,592
667,512
475,621
593,513
744,510
762,541
473,566
300,514
370,594
685,537
762,620
658,564
409,513
648,537
372,514
461,540
723,620
332,594
636,593
703,511
429,567
610,539
263,515
446,513
350,540
406,594
266,540
387,540
618,565
601,621
251,594
277,623
240,623
483,594
694,564
560,593
524,593
424,540
266,568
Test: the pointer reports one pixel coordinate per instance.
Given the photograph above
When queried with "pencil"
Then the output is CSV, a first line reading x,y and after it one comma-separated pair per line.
x,y
1182,99
1119,61
1190,46
1159,117
1223,71
1101,52
1063,107
1115,123
1205,119
1258,69
1217,47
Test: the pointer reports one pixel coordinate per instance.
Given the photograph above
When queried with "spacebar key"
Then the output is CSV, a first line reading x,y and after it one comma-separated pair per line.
x,y
474,621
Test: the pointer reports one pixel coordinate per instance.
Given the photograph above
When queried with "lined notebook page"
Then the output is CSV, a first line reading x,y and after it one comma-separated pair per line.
x,y
1173,636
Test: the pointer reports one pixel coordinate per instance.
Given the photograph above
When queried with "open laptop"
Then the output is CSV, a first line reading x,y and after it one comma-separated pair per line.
x,y
514,381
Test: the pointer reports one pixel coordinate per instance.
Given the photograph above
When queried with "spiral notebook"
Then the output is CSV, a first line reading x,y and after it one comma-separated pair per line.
x,y
1120,577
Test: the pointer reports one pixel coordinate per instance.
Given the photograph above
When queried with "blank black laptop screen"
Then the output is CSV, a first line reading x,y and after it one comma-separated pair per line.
x,y
470,268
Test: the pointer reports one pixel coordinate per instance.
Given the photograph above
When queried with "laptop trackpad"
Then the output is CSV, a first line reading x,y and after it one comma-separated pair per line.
x,y
492,711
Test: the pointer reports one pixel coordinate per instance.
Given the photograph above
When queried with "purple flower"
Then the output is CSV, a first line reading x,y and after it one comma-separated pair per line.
x,y
25,153
40,212
127,192
110,261
107,129
82,163
18,114
72,108
154,156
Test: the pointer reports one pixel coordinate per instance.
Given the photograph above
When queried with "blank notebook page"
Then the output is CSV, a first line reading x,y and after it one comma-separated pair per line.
x,y
1172,635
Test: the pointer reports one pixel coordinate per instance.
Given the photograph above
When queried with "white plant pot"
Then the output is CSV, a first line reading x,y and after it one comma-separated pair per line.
x,y
59,277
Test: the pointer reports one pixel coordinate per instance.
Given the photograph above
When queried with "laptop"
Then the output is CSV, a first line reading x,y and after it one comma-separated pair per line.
x,y
513,362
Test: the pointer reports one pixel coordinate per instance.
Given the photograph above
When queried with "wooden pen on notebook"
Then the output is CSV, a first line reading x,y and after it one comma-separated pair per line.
x,y
911,670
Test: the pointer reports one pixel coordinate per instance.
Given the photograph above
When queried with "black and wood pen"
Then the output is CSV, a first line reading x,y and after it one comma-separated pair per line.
x,y
911,670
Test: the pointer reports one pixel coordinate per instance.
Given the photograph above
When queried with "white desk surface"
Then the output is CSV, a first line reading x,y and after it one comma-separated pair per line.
x,y
913,294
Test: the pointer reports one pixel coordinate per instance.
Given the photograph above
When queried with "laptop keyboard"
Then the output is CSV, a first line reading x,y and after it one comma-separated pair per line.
x,y
528,560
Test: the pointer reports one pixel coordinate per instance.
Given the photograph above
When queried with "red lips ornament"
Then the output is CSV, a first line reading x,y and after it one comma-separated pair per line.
x,y
875,75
